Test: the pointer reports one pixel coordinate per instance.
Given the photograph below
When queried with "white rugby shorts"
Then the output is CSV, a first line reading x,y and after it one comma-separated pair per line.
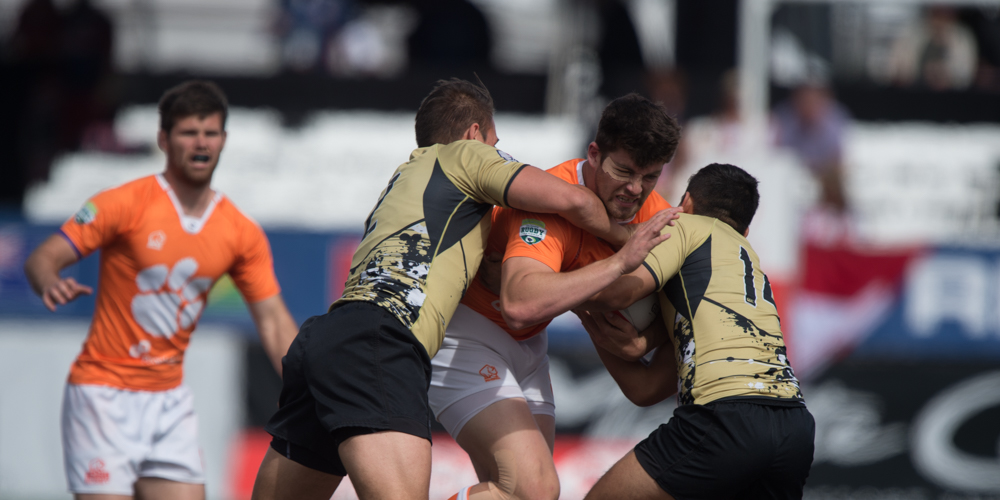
x,y
111,437
479,364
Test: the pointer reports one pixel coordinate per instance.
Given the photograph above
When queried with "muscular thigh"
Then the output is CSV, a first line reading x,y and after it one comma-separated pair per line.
x,y
154,488
505,441
627,480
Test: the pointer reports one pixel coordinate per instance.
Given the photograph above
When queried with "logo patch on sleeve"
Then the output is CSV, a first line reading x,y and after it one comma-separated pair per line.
x,y
506,156
86,214
532,231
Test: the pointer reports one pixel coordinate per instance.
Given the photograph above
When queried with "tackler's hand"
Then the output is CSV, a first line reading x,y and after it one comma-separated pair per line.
x,y
646,236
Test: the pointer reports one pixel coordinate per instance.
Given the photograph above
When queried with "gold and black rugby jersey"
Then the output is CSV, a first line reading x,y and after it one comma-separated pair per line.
x,y
424,239
719,309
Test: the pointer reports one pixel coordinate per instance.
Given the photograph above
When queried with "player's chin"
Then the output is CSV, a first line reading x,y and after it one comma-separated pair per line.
x,y
199,174
625,212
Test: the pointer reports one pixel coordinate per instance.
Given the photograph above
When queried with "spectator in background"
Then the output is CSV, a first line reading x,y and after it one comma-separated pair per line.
x,y
938,53
669,87
812,124
618,48
60,62
35,53
86,58
984,23
306,28
450,33
707,139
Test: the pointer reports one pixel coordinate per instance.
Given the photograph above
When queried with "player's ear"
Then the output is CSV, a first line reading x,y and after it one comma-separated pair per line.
x,y
687,204
746,232
161,140
473,134
594,154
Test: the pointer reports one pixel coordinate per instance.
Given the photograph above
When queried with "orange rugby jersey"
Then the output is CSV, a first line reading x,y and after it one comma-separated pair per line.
x,y
547,238
157,266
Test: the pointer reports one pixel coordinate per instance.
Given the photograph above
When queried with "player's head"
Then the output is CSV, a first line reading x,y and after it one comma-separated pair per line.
x,y
456,109
635,138
192,98
725,192
193,130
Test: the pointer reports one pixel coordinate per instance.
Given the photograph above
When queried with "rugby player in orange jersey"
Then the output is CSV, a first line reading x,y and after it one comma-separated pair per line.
x,y
128,422
490,384
354,392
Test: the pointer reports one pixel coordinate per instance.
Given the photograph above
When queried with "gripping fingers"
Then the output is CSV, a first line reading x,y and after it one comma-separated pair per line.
x,y
673,214
618,322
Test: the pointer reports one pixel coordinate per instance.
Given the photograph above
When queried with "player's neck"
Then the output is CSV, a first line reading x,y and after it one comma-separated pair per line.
x,y
194,198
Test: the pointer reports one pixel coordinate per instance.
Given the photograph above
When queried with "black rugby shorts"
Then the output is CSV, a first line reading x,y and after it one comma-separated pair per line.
x,y
731,449
355,370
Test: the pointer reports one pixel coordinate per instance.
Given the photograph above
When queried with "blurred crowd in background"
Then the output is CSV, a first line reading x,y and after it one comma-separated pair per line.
x,y
66,73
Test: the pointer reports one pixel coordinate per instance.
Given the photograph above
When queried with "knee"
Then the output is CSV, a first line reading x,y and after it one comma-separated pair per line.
x,y
543,487
537,481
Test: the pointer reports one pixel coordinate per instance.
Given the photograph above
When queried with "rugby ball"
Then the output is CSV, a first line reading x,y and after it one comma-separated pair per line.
x,y
642,312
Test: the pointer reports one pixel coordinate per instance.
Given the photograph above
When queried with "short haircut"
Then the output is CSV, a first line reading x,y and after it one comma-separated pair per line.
x,y
640,127
725,192
450,109
192,98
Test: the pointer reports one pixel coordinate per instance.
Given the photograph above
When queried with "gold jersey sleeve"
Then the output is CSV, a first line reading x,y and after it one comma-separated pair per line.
x,y
424,239
719,309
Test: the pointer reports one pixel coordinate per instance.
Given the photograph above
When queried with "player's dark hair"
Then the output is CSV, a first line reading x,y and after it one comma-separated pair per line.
x,y
640,127
192,98
725,192
450,109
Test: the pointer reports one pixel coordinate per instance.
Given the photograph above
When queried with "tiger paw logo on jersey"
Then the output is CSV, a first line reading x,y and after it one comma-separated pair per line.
x,y
96,474
169,299
489,373
532,231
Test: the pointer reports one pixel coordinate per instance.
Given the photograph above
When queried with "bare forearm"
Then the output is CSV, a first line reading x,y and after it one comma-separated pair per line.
x,y
536,297
620,294
587,212
632,377
643,384
41,272
276,328
536,191
275,350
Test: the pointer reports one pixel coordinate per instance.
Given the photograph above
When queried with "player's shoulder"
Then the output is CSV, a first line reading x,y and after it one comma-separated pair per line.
x,y
466,153
700,221
142,185
535,227
225,207
696,227
567,170
133,191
